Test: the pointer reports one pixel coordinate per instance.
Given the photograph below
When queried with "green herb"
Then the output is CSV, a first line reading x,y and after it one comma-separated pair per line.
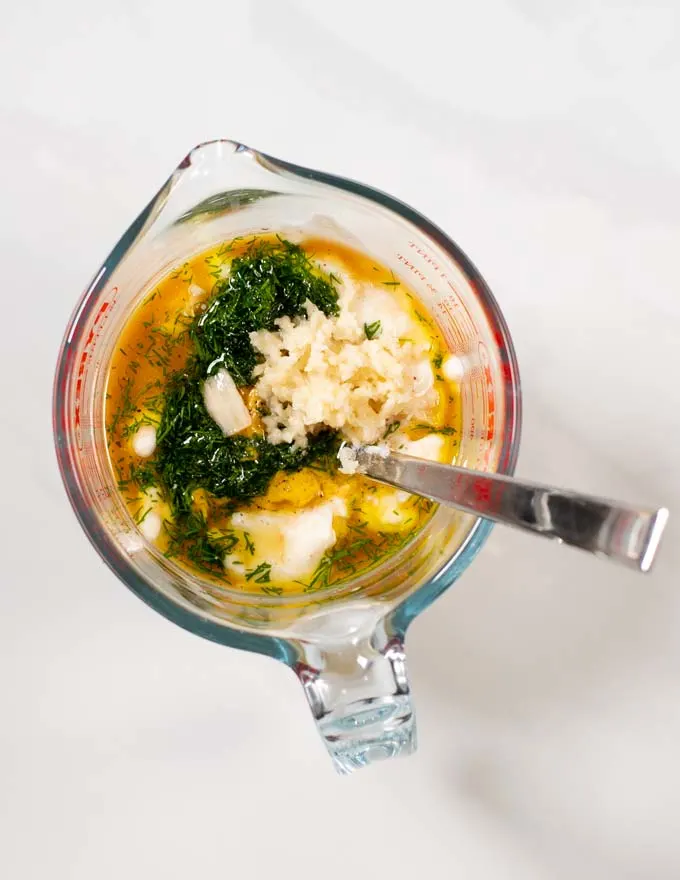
x,y
393,283
204,548
143,476
424,505
342,562
268,281
126,407
437,360
446,431
133,427
321,576
250,547
272,591
192,452
142,514
372,330
151,297
162,344
184,273
261,574
391,428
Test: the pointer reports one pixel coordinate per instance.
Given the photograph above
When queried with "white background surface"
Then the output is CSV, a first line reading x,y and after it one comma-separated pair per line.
x,y
543,136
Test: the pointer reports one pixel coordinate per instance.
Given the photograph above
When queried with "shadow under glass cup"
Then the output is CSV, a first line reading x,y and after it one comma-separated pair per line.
x,y
345,643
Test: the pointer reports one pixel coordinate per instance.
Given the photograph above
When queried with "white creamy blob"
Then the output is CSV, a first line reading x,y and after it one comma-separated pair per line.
x,y
453,368
151,525
292,543
430,447
388,507
144,441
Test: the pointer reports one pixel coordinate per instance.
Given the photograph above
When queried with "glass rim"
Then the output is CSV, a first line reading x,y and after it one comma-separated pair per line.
x,y
223,631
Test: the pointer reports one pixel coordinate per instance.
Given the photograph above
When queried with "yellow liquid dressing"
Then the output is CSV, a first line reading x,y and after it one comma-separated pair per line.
x,y
276,542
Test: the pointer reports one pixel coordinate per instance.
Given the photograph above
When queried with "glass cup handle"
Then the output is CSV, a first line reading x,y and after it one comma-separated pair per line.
x,y
360,698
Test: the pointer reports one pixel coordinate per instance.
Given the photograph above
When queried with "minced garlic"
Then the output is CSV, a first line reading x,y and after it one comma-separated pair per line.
x,y
344,372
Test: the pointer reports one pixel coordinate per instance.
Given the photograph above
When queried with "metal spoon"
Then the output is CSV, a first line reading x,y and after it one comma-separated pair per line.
x,y
629,535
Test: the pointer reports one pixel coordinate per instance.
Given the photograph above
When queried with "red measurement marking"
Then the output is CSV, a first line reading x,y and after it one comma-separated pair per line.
x,y
413,269
90,341
466,320
453,331
431,263
488,392
104,307
426,257
482,492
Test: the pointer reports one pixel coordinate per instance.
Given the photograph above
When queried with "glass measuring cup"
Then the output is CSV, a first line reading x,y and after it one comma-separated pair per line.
x,y
345,643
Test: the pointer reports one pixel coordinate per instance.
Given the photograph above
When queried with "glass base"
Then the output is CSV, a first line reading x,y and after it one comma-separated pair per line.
x,y
368,731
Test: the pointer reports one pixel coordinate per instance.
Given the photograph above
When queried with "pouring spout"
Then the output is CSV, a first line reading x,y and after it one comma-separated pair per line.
x,y
360,698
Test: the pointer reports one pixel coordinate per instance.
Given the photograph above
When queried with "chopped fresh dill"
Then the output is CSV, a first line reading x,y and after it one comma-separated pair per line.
x,y
151,297
373,329
364,552
261,574
132,427
183,273
446,430
268,281
126,407
142,514
203,547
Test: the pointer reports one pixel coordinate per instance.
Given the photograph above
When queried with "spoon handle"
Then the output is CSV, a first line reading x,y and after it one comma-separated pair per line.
x,y
625,534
